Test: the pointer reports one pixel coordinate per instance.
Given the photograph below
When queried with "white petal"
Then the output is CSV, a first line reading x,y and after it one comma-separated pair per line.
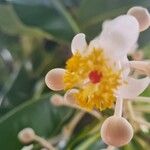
x,y
120,64
125,67
119,35
78,43
133,87
133,49
93,44
142,66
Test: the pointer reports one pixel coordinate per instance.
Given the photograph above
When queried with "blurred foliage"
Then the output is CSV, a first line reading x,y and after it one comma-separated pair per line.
x,y
35,37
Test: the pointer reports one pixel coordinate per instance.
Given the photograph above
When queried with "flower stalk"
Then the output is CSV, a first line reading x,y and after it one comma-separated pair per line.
x,y
44,143
134,118
118,107
69,128
59,100
28,135
142,99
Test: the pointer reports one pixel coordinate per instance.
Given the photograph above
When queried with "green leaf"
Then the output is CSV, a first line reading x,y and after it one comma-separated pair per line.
x,y
50,16
38,114
92,14
88,137
16,91
11,24
97,145
88,142
133,145
146,92
103,9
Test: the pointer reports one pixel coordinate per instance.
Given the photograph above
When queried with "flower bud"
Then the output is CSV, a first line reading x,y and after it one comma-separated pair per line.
x,y
142,15
69,96
138,55
116,131
26,135
57,100
54,79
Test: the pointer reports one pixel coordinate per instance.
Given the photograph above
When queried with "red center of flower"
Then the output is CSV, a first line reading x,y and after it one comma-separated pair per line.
x,y
95,76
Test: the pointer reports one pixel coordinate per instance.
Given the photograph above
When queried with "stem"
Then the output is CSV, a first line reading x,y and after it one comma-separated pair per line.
x,y
142,99
62,102
119,101
68,129
134,118
110,147
58,5
94,113
144,109
118,107
44,143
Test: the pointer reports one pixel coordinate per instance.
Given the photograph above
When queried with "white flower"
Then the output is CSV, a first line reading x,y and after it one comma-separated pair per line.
x,y
118,37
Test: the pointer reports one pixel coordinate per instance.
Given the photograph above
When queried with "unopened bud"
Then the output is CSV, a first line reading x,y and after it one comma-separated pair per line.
x,y
142,15
26,135
116,131
69,96
54,79
57,100
138,55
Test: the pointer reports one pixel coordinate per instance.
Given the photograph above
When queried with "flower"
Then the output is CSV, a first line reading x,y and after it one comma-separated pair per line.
x,y
99,71
94,79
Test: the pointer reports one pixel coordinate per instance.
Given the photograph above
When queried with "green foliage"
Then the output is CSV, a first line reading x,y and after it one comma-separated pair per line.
x,y
37,34
38,114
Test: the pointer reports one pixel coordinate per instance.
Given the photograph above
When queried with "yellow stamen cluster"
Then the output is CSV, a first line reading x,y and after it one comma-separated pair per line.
x,y
99,95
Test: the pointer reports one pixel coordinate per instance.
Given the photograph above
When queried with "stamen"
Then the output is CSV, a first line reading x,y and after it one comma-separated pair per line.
x,y
94,78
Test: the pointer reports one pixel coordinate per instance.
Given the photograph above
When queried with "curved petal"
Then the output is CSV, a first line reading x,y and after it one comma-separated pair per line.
x,y
125,67
133,49
119,35
133,87
78,43
142,66
93,44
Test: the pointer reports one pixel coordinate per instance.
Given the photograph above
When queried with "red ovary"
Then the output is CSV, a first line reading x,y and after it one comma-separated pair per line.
x,y
95,76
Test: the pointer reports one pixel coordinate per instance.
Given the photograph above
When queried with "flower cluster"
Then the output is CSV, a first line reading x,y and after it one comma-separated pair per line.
x,y
100,71
97,76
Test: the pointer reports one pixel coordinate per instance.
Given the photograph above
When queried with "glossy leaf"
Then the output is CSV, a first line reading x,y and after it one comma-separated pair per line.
x,y
38,114
16,91
91,21
51,16
11,24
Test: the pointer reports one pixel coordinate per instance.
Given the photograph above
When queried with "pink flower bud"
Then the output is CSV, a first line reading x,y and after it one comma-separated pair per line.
x,y
142,15
26,135
70,97
116,131
54,79
57,100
